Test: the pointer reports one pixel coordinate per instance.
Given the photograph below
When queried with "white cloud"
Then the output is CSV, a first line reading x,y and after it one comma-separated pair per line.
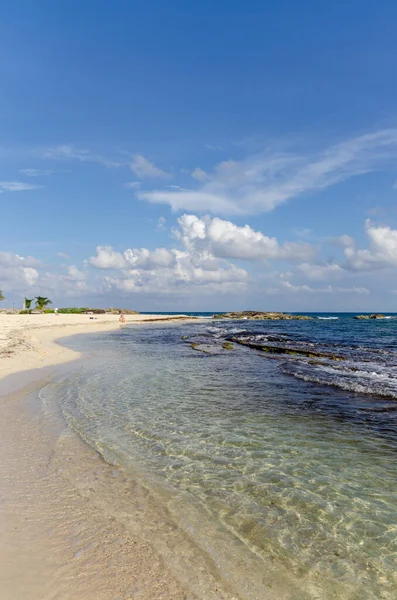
x,y
15,260
344,241
62,255
144,169
68,152
227,240
16,272
107,258
73,284
208,244
381,252
297,289
200,175
192,200
74,274
318,272
36,172
262,182
133,185
17,186
145,259
180,279
161,221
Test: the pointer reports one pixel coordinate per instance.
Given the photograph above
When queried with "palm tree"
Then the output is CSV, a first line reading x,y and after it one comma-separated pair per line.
x,y
42,302
28,303
1,295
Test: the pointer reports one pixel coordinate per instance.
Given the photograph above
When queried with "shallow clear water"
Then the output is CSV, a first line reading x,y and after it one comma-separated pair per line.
x,y
293,456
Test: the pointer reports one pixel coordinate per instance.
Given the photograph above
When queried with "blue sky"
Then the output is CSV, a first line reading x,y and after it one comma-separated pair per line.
x,y
199,156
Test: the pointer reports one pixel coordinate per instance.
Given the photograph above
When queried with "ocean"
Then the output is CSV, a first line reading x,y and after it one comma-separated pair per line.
x,y
269,447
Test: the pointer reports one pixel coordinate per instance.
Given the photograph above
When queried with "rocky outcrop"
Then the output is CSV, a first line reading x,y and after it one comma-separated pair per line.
x,y
373,316
271,349
261,316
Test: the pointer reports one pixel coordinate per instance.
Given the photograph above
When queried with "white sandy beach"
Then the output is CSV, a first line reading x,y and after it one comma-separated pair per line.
x,y
28,341
57,538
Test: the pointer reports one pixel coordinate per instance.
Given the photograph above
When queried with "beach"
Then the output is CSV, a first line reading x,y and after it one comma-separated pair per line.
x,y
198,459
55,541
29,341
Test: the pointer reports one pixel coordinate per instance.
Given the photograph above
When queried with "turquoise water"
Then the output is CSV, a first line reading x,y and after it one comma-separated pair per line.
x,y
296,462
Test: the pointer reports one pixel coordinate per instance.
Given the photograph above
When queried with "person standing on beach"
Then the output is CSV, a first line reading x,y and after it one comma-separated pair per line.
x,y
122,319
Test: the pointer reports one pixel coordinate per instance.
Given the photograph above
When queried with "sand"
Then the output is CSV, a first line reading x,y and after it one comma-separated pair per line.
x,y
57,539
29,341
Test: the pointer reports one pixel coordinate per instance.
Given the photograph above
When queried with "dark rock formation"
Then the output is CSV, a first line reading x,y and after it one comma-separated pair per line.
x,y
287,350
261,316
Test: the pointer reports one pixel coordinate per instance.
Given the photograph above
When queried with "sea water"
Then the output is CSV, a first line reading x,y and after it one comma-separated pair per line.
x,y
283,463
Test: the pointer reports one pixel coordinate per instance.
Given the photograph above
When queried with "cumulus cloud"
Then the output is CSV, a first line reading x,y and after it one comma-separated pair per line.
x,y
164,270
74,274
262,182
16,272
208,245
224,239
144,169
17,186
146,259
381,252
15,260
72,284
107,258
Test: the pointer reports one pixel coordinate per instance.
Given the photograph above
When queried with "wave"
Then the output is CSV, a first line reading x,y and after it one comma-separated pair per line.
x,y
373,379
327,318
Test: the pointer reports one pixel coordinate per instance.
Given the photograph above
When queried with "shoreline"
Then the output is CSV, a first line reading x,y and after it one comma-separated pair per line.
x,y
29,342
57,537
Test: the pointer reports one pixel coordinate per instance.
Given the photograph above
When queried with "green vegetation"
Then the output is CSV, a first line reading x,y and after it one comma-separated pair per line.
x,y
72,311
28,303
1,295
42,302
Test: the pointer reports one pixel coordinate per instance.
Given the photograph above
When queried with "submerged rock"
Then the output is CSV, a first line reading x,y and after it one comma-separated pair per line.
x,y
261,316
206,348
288,350
227,346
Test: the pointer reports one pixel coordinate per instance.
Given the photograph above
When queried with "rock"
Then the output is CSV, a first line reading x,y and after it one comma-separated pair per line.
x,y
373,316
261,316
287,350
227,346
